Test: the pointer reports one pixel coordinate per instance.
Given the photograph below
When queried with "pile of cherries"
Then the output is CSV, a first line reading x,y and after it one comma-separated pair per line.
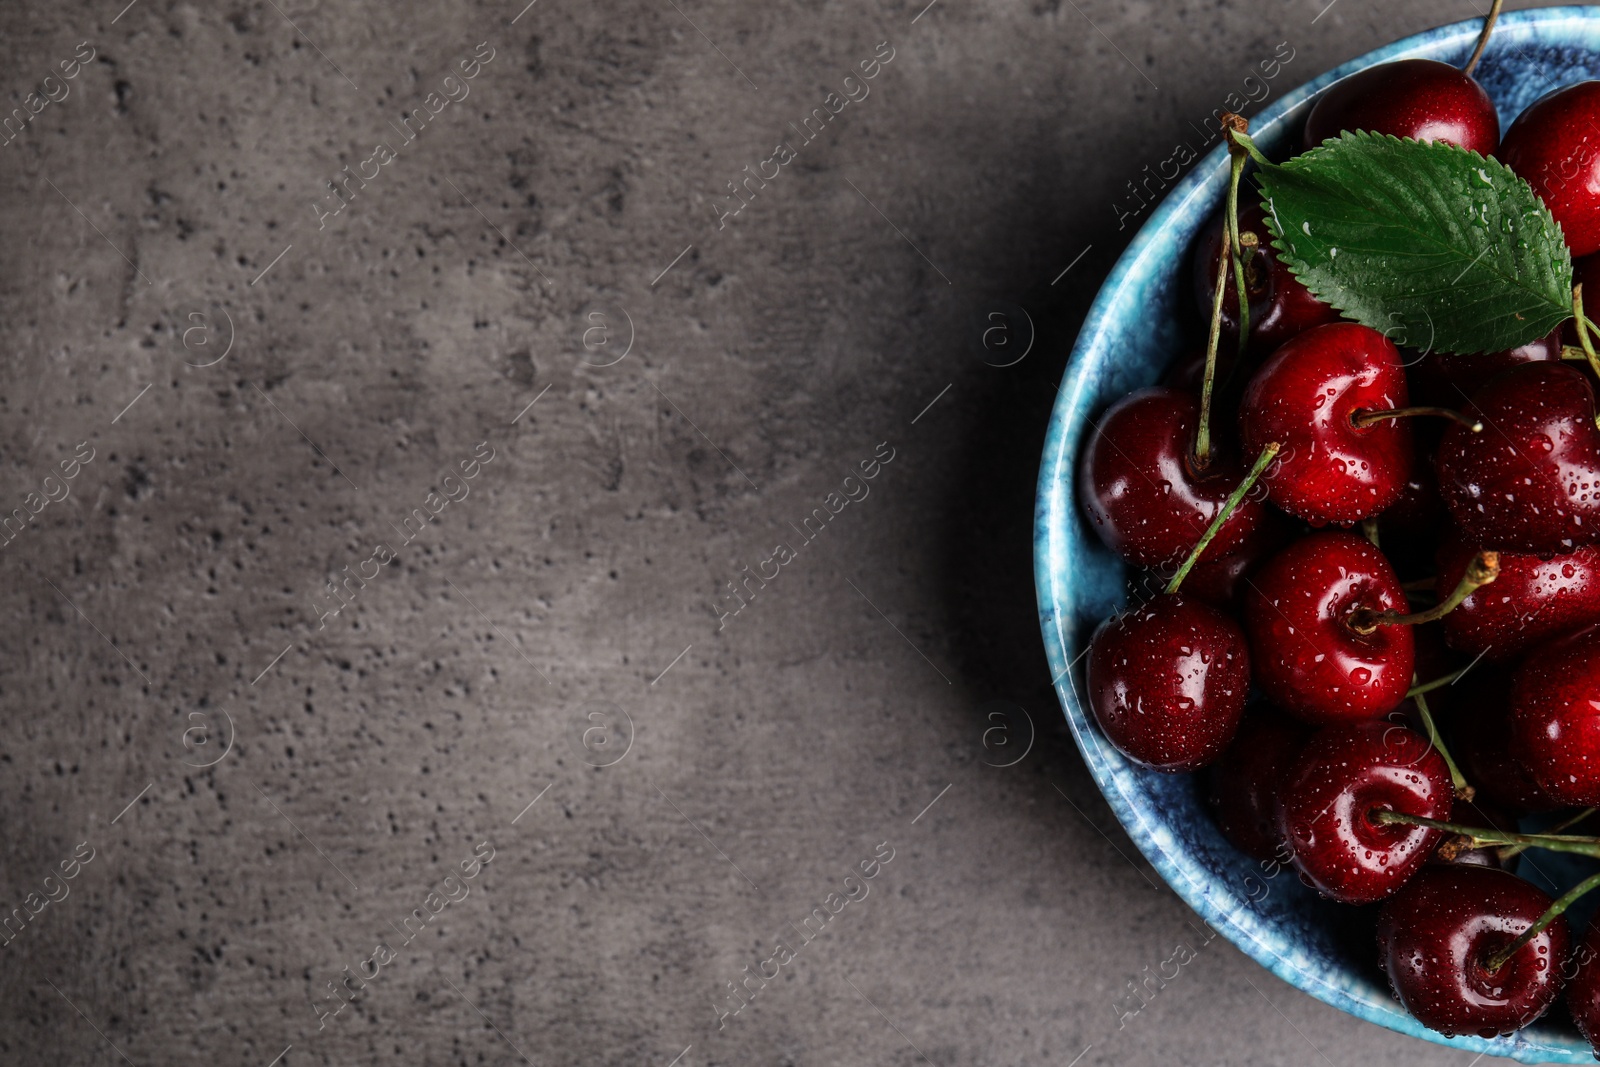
x,y
1410,520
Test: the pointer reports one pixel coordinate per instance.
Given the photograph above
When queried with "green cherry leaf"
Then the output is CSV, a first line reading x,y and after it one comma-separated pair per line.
x,y
1437,247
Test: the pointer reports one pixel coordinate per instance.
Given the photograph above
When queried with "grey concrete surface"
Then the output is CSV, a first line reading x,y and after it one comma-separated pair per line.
x,y
268,789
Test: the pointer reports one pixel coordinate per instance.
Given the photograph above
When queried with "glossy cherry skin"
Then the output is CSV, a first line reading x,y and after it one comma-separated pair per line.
x,y
1532,601
1139,487
1530,480
1450,381
1344,773
1479,728
1306,656
1554,148
1555,718
1167,682
1242,787
1304,397
1436,936
1583,987
1422,99
1280,306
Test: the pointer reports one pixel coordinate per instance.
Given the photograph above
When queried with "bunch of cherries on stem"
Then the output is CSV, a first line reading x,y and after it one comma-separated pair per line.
x,y
1286,488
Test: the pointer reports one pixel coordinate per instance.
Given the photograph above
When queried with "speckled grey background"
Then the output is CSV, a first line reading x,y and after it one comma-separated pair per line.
x,y
563,610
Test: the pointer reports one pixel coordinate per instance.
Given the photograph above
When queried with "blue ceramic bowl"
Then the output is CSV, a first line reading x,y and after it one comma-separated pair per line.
x,y
1133,330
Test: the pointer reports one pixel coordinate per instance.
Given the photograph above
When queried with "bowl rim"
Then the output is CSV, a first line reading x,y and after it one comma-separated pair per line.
x,y
1055,512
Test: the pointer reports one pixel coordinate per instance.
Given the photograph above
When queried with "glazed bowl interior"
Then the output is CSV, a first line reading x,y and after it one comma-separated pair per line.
x,y
1138,323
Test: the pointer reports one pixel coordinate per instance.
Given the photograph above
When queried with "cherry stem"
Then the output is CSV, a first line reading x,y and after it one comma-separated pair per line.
x,y
1458,781
1483,38
1249,244
1437,683
1231,249
1242,139
1498,960
1362,419
1228,508
1583,324
1509,851
1202,435
1479,836
1237,158
1484,568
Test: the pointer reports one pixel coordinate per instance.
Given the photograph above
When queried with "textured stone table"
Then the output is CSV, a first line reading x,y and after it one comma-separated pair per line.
x,y
409,671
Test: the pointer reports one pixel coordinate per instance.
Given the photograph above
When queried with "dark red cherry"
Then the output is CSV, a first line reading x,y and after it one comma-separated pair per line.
x,y
1533,600
1437,936
1450,381
1422,99
1280,306
1529,481
1242,787
1344,774
1555,718
1221,582
1583,987
1553,147
1302,611
1309,397
1138,483
1167,682
1480,739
